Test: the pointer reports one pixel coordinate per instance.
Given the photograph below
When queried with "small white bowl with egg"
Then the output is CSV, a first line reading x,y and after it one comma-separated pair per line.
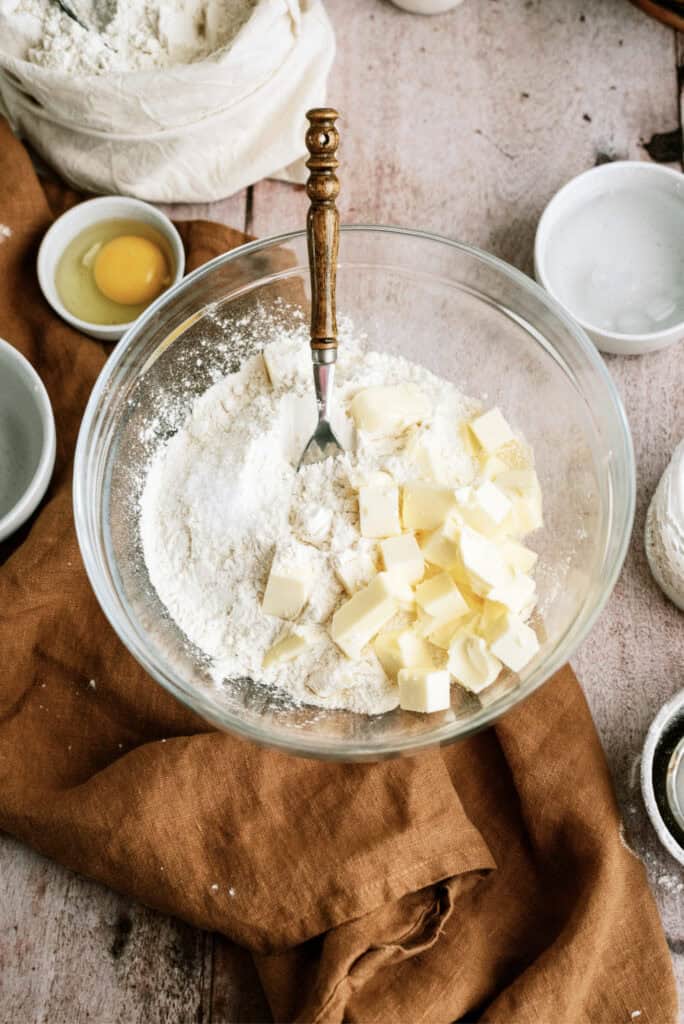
x,y
610,248
27,439
104,261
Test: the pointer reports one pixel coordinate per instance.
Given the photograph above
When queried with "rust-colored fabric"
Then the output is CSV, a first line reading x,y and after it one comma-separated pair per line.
x,y
484,882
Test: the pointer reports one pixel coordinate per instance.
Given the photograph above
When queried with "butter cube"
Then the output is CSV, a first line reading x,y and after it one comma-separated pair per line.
x,y
425,506
357,621
441,598
520,481
514,643
491,430
440,549
490,619
526,516
286,364
287,589
354,569
493,465
402,649
402,556
484,507
387,652
442,633
379,511
515,594
483,561
523,487
473,600
388,411
424,690
401,591
424,623
374,478
517,556
286,649
423,451
471,663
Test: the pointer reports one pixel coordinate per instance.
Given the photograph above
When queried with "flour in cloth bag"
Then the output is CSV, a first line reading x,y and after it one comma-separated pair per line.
x,y
130,36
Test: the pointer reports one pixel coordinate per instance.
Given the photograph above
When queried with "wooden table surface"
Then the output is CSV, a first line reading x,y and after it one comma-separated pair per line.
x,y
464,124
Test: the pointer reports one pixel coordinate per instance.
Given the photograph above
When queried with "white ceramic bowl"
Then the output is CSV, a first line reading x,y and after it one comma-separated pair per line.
x,y
641,179
668,714
27,439
72,223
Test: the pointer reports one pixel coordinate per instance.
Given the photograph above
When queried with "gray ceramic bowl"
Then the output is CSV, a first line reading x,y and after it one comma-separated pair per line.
x,y
27,439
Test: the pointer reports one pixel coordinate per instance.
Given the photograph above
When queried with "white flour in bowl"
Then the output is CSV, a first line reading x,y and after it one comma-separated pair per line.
x,y
224,492
128,36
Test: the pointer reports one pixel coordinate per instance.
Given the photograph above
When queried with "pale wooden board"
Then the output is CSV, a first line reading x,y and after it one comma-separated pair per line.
x,y
231,211
72,951
437,135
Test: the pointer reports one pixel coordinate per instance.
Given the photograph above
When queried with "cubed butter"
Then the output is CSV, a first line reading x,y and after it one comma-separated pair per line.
x,y
401,591
356,622
520,481
379,511
402,649
284,365
490,619
425,506
286,649
492,466
526,515
514,642
471,663
484,507
354,569
473,600
424,453
522,486
491,431
441,598
424,690
287,589
388,411
424,623
387,652
402,556
440,549
518,556
483,561
516,593
442,633
371,478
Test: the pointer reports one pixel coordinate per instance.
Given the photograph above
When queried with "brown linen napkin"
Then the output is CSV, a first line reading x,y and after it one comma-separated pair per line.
x,y
485,882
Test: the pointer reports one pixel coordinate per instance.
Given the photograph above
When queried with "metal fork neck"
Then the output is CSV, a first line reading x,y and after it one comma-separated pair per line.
x,y
324,356
324,378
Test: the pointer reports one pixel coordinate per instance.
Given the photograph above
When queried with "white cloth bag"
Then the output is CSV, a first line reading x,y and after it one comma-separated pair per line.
x,y
191,133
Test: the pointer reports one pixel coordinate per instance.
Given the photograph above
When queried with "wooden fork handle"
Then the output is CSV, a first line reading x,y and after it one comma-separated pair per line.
x,y
323,229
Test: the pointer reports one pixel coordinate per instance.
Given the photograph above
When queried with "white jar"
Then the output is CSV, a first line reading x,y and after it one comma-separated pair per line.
x,y
427,6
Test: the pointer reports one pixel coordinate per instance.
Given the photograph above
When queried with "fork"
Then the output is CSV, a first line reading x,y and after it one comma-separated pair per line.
x,y
322,231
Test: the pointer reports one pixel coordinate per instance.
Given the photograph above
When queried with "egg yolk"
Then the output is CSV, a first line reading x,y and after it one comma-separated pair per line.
x,y
130,270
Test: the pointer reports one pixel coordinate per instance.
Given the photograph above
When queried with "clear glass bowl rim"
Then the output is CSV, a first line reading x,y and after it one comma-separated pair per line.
x,y
621,523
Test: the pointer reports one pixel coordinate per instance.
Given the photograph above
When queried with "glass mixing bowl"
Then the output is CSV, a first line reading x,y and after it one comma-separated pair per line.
x,y
464,315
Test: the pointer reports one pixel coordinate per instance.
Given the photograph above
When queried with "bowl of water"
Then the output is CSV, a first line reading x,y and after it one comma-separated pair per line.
x,y
27,439
610,249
